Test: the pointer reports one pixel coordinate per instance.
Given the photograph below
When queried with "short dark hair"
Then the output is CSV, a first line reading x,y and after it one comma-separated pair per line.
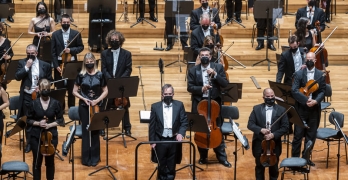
x,y
166,86
65,16
292,39
204,49
113,32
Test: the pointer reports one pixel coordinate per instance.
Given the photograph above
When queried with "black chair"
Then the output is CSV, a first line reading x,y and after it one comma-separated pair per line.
x,y
332,135
14,107
188,59
14,168
230,113
74,115
325,104
297,164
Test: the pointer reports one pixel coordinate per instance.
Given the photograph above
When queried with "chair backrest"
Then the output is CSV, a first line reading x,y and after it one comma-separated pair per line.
x,y
308,150
285,48
230,112
339,118
74,113
14,103
278,56
188,54
328,90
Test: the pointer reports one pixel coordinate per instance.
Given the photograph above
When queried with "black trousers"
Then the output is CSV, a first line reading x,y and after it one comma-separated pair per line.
x,y
69,86
166,155
49,160
58,4
152,4
233,8
27,99
170,22
1,126
260,170
327,10
219,152
312,117
261,29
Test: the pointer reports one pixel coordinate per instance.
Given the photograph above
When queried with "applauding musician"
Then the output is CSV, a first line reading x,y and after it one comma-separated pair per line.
x,y
117,63
44,113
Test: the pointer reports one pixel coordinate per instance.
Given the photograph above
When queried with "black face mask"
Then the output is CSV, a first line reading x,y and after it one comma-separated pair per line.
x,y
293,50
0,33
210,46
309,64
32,57
309,27
115,44
89,66
205,27
204,60
168,99
65,26
42,11
45,93
205,5
269,101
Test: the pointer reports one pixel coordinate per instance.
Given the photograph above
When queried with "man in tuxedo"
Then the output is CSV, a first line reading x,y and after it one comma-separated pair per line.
x,y
168,122
198,35
308,107
237,7
313,13
291,61
196,15
68,7
198,85
30,71
152,5
60,39
261,116
117,63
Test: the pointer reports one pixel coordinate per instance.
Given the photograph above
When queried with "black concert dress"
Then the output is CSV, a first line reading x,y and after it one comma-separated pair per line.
x,y
91,87
3,48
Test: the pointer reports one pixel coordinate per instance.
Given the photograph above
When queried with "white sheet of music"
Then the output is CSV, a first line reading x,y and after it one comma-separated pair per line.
x,y
145,114
237,132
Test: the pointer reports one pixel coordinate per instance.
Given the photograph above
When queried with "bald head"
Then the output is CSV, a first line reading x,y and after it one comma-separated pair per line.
x,y
205,19
268,93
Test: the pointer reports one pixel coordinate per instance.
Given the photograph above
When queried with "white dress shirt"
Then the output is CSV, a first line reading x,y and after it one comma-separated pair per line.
x,y
66,35
310,76
297,59
35,71
206,32
115,54
205,78
269,110
310,14
167,120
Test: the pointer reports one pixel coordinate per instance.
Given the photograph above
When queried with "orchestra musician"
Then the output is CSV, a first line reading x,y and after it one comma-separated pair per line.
x,y
168,122
197,13
44,113
209,42
90,87
5,44
198,85
30,70
313,13
43,25
307,107
267,112
305,34
237,10
198,35
9,18
68,9
170,22
60,39
152,4
117,63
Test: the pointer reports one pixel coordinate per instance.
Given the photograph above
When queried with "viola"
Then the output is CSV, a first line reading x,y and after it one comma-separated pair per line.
x,y
268,157
92,111
46,147
311,87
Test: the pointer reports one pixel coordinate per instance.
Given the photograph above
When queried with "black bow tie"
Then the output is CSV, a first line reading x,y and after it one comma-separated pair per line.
x,y
269,108
168,106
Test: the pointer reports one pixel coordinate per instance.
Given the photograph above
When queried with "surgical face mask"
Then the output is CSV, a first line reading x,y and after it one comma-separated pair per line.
x,y
65,26
45,93
90,66
31,56
205,60
205,5
115,44
205,27
269,101
210,46
293,50
167,99
309,64
42,11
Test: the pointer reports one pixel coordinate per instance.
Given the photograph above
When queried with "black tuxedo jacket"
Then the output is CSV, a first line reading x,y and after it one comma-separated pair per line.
x,y
257,121
318,15
57,45
45,71
286,66
196,15
197,40
124,64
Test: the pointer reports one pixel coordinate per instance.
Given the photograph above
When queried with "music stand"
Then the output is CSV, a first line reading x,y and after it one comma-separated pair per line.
x,y
122,87
197,123
101,121
231,93
142,19
72,69
282,91
263,11
340,133
11,70
66,147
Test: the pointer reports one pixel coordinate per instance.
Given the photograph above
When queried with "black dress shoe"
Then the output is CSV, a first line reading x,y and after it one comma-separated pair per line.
x,y
239,19
226,164
259,46
154,19
328,20
228,20
128,132
10,18
27,148
311,163
169,47
203,161
271,47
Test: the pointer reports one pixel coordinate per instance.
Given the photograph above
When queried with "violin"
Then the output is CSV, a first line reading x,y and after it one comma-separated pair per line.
x,y
46,147
268,157
121,102
311,86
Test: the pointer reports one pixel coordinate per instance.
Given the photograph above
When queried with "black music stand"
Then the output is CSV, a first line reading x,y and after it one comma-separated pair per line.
x,y
122,87
142,19
101,121
72,69
282,91
232,92
341,133
66,147
11,70
264,10
197,123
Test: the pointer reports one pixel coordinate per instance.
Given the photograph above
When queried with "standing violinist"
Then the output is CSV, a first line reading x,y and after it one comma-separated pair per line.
x,y
5,44
30,70
44,115
205,8
117,63
262,115
90,87
201,78
307,107
313,13
60,40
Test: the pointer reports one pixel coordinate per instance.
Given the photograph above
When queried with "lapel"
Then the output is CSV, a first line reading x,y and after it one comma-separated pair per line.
x,y
174,114
60,38
160,113
29,72
263,115
71,35
291,63
41,70
317,74
199,77
201,35
302,55
110,58
274,112
119,63
304,75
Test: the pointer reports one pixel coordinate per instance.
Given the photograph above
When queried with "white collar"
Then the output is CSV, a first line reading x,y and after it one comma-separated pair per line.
x,y
68,31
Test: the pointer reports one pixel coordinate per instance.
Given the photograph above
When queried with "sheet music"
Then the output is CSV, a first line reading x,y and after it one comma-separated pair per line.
x,y
239,135
145,114
72,133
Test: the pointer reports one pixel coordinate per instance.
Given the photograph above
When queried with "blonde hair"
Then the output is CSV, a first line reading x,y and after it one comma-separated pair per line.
x,y
87,57
44,84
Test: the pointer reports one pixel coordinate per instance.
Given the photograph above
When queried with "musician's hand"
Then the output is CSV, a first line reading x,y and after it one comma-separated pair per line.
x,y
59,70
211,71
29,63
269,136
303,66
93,102
67,50
265,131
212,24
37,89
205,88
39,34
153,146
43,123
311,102
86,101
48,126
179,137
44,33
6,56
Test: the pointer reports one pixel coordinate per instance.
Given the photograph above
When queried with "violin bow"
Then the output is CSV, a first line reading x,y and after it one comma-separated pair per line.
x,y
322,44
223,52
11,47
61,53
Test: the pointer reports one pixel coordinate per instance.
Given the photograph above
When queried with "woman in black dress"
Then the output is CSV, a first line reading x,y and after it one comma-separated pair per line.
x,y
45,113
93,90
305,34
5,44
